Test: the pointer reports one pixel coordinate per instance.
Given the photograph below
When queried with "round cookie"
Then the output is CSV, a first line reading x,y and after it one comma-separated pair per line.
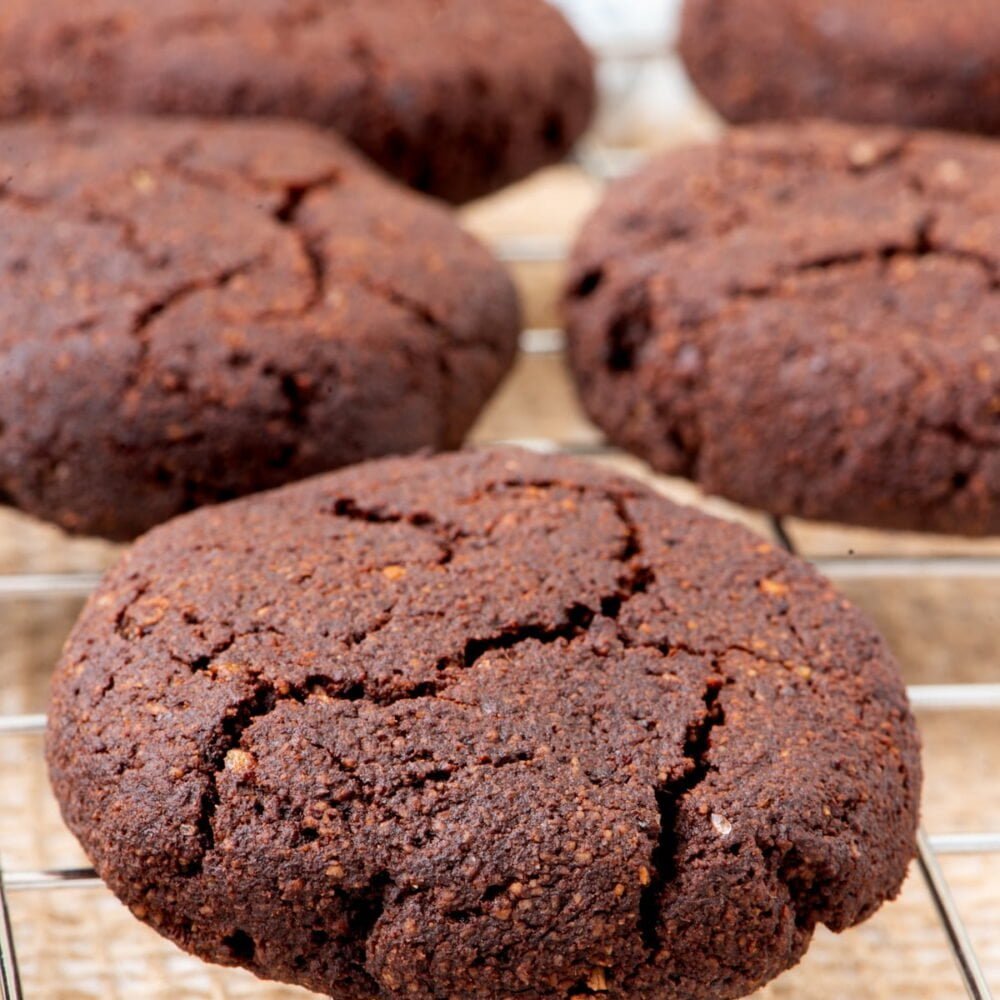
x,y
805,320
906,62
194,310
482,725
455,97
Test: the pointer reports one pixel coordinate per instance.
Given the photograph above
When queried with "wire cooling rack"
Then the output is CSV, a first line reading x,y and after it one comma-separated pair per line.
x,y
942,698
616,57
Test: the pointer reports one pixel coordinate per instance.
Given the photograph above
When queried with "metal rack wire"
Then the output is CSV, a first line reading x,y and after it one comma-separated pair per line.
x,y
937,698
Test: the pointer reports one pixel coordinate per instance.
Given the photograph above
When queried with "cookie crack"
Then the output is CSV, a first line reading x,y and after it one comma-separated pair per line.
x,y
317,684
788,867
618,499
129,235
446,338
177,162
669,797
349,507
918,245
266,697
632,546
217,281
417,310
284,214
368,905
667,647
205,662
446,535
144,318
238,719
635,325
578,618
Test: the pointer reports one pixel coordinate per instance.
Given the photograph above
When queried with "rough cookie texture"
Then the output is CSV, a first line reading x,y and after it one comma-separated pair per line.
x,y
455,97
483,725
805,320
190,311
906,62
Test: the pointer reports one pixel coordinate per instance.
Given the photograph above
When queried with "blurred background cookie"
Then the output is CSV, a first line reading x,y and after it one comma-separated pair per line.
x,y
911,62
193,310
804,319
455,97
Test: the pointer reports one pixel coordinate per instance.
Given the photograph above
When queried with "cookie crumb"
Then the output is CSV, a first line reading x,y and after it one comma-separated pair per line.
x,y
722,825
597,980
239,761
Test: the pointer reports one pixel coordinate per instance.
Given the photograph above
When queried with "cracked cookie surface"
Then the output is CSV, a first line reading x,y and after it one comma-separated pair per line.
x,y
805,321
191,311
483,725
903,62
454,97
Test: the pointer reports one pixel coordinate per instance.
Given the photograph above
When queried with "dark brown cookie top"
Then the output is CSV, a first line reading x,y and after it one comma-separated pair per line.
x,y
455,97
805,320
906,62
190,311
481,725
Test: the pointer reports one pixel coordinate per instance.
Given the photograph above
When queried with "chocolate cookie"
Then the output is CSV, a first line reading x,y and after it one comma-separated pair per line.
x,y
455,97
907,62
191,311
805,321
483,725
